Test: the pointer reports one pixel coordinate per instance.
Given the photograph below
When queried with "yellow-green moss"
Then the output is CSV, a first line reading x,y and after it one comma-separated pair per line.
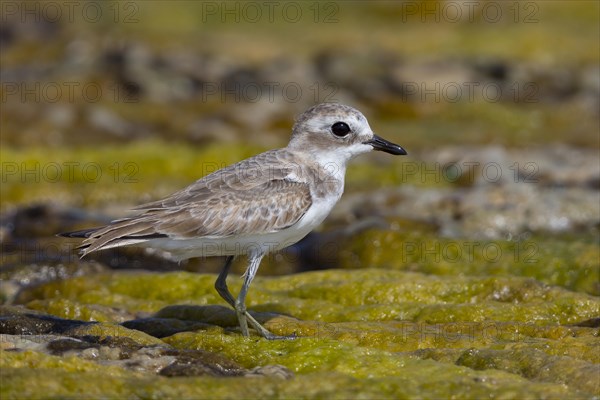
x,y
333,295
383,333
99,175
571,263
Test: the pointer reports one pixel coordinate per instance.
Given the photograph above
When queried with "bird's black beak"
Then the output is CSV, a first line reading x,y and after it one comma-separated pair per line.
x,y
379,143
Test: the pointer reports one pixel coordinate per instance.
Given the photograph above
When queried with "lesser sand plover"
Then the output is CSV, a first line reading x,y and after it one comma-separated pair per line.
x,y
257,206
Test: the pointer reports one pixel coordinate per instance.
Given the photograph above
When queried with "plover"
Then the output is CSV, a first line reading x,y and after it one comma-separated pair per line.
x,y
254,207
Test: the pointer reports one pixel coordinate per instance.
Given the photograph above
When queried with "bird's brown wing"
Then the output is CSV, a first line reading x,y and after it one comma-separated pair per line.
x,y
250,197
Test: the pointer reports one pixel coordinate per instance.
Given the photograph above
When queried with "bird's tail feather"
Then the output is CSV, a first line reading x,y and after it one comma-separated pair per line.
x,y
120,233
83,233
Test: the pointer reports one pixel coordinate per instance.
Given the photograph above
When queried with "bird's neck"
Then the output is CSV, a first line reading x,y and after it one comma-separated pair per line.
x,y
325,172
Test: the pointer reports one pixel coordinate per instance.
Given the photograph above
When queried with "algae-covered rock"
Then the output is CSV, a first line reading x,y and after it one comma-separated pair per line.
x,y
34,344
386,373
538,366
329,296
20,321
571,264
405,332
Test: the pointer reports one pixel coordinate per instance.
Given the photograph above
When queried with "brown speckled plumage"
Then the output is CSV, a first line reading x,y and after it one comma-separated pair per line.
x,y
250,197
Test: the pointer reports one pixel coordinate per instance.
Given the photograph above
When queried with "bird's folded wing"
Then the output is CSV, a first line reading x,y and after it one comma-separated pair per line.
x,y
269,207
252,200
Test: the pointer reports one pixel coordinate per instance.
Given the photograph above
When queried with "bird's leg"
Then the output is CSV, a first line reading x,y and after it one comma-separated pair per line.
x,y
223,290
240,302
221,282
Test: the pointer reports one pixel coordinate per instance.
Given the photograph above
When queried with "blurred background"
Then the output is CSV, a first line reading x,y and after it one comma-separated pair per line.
x,y
106,105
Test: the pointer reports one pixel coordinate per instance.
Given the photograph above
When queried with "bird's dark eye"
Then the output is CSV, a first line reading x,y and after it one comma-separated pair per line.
x,y
340,129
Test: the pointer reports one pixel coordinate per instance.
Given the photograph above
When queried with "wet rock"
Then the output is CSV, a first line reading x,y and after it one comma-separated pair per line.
x,y
46,271
197,362
22,330
212,314
162,327
364,321
60,346
536,365
276,371
590,323
27,342
128,355
32,253
20,321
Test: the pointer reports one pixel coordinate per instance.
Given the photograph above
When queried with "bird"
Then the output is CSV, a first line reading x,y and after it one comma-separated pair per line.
x,y
254,207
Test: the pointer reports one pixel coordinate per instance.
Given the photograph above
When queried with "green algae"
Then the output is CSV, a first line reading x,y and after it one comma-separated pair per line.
x,y
108,173
353,367
38,360
74,310
310,355
334,295
537,365
406,333
404,336
311,386
103,331
571,264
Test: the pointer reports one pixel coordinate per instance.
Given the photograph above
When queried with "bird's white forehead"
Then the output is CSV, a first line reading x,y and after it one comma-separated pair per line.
x,y
326,114
349,118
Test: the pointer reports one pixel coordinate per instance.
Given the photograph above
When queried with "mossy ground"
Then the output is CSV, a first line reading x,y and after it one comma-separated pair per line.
x,y
407,314
404,332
